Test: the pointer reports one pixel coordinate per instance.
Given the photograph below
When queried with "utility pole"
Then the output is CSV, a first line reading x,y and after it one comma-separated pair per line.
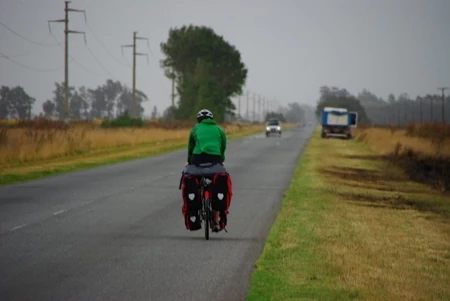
x,y
431,109
259,107
133,100
405,108
254,111
443,103
66,51
173,89
239,107
264,109
266,105
420,109
173,94
246,114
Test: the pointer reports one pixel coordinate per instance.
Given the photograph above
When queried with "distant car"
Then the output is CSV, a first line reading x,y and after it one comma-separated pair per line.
x,y
273,126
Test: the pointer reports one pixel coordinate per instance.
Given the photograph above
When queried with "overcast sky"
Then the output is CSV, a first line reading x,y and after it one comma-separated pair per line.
x,y
291,47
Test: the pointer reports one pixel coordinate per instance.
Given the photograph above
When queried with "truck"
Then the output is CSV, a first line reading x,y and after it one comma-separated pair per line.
x,y
337,122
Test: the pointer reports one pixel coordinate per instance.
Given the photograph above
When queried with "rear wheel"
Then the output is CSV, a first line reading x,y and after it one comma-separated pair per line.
x,y
207,218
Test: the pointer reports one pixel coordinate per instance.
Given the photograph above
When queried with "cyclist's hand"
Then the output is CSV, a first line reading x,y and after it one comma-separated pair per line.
x,y
187,163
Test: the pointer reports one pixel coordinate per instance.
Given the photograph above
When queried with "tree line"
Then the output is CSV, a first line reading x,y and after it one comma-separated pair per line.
x,y
398,110
105,101
207,72
293,112
206,69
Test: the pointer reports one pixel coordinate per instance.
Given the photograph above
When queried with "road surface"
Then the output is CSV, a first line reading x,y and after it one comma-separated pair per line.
x,y
116,232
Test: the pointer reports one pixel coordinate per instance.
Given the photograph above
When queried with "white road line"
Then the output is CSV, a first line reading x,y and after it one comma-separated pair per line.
x,y
18,227
59,212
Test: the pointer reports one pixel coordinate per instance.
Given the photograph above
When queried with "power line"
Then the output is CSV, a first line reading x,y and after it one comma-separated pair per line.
x,y
72,59
149,49
31,50
27,67
92,54
105,48
101,65
26,39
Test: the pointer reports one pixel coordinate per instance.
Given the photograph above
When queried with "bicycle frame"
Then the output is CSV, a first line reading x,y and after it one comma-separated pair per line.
x,y
206,210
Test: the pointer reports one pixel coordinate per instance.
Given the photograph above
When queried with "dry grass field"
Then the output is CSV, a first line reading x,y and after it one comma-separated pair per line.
x,y
423,151
25,144
429,140
30,149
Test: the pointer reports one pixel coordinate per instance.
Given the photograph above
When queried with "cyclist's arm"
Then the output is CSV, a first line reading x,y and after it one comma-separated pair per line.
x,y
191,145
223,145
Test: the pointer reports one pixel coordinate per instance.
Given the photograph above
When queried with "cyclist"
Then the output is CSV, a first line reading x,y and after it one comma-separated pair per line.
x,y
207,144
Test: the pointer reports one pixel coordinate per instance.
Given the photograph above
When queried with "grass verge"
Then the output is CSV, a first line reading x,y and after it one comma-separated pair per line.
x,y
25,171
354,227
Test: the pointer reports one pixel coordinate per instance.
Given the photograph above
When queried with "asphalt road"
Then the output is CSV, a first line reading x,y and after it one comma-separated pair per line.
x,y
116,232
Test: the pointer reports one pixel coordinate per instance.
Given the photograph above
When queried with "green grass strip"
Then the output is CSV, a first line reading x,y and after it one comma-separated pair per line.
x,y
290,266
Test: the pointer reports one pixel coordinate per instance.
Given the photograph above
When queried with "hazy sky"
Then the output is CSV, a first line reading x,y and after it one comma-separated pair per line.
x,y
291,47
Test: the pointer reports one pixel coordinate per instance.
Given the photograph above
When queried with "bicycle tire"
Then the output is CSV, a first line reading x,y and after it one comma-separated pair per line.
x,y
207,218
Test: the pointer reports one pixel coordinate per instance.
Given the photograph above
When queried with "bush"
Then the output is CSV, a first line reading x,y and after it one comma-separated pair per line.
x,y
122,121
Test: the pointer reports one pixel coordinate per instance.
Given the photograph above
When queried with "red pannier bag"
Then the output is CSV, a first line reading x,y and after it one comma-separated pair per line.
x,y
191,202
222,192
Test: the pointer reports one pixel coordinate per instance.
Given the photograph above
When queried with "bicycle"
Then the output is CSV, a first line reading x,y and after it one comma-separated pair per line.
x,y
206,208
204,172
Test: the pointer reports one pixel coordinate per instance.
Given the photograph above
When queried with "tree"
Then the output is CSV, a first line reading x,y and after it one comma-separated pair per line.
x,y
294,113
125,101
76,103
309,116
207,70
391,98
19,103
275,115
98,102
58,99
112,90
49,108
169,113
5,105
375,107
154,113
340,98
85,104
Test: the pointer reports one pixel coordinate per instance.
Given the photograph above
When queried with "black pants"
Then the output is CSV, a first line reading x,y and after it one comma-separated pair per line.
x,y
205,158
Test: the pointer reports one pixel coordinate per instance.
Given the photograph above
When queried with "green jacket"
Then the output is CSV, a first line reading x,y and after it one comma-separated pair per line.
x,y
207,137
